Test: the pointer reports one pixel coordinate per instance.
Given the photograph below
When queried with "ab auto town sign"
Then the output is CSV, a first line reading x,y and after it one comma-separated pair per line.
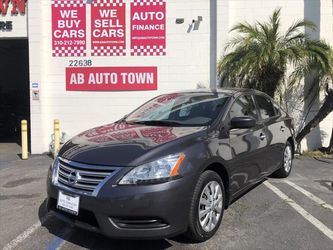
x,y
11,8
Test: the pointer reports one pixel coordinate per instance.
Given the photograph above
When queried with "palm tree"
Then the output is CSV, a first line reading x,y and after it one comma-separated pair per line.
x,y
260,54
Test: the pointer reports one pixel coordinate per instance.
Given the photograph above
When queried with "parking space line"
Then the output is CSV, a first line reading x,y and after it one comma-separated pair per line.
x,y
22,236
318,224
310,195
58,242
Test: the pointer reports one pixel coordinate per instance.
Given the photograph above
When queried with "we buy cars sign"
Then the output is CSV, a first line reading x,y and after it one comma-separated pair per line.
x,y
111,78
68,28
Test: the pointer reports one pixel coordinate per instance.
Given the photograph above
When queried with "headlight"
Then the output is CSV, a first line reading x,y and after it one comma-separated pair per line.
x,y
54,170
154,172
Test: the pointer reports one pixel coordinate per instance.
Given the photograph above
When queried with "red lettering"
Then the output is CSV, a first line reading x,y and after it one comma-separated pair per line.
x,y
4,6
18,4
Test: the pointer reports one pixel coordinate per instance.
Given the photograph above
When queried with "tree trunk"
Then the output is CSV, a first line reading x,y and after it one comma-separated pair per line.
x,y
271,78
324,110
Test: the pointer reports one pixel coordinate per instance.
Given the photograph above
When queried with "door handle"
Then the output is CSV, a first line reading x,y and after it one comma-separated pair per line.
x,y
262,136
282,128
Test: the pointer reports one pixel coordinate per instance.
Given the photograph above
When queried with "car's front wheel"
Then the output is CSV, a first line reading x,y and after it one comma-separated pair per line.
x,y
207,207
286,163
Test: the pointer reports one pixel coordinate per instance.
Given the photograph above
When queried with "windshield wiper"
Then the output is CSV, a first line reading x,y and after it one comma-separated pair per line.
x,y
158,123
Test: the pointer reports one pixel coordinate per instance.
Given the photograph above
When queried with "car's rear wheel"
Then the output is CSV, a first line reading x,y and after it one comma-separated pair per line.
x,y
287,162
207,207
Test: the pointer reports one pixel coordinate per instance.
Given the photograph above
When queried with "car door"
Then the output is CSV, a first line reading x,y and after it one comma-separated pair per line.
x,y
274,131
246,146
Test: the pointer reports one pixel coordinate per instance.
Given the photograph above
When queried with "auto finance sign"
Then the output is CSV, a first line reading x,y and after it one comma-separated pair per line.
x,y
148,28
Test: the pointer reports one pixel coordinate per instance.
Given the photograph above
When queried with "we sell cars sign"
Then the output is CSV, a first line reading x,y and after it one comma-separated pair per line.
x,y
108,35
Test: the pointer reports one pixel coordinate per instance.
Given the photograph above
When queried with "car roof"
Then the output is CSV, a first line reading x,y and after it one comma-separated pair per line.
x,y
229,91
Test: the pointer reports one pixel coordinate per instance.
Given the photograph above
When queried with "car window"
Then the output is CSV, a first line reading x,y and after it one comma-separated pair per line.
x,y
265,106
188,109
243,106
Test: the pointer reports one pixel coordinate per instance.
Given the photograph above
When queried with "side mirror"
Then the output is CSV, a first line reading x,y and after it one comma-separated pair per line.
x,y
243,122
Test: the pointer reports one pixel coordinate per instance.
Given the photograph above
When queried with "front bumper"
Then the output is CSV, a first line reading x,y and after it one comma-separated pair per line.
x,y
136,212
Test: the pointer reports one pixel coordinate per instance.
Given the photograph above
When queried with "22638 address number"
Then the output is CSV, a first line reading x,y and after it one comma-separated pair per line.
x,y
79,63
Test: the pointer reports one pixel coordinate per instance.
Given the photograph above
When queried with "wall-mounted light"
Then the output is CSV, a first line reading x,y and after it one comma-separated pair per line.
x,y
199,19
179,20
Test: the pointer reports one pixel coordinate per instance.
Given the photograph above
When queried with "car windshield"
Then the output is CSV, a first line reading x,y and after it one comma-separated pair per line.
x,y
181,109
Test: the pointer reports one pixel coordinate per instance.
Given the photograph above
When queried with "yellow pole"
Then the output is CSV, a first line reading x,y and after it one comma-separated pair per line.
x,y
24,139
56,136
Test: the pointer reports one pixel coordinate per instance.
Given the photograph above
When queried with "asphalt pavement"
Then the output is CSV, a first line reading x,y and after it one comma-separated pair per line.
x,y
292,213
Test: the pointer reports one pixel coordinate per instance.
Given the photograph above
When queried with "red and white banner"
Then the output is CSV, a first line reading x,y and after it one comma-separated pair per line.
x,y
148,27
108,28
68,28
111,78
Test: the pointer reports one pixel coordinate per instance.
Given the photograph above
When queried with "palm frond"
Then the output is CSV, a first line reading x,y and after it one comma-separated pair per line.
x,y
259,55
295,28
275,22
245,28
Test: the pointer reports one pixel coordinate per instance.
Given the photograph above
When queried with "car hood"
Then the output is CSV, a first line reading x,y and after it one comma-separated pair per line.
x,y
121,144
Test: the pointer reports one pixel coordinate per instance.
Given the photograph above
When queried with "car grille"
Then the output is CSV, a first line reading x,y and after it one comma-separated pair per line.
x,y
82,178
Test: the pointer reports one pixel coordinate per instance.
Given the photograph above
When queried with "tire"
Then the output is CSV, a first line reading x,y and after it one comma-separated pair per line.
x,y
202,230
286,162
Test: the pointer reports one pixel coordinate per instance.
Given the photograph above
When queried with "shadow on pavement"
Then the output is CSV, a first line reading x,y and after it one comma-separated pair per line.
x,y
91,240
326,183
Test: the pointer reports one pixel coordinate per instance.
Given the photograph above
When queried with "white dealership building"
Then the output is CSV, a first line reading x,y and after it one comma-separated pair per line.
x,y
89,63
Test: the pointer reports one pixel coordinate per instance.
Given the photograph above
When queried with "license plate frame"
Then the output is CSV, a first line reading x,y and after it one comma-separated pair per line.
x,y
69,203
